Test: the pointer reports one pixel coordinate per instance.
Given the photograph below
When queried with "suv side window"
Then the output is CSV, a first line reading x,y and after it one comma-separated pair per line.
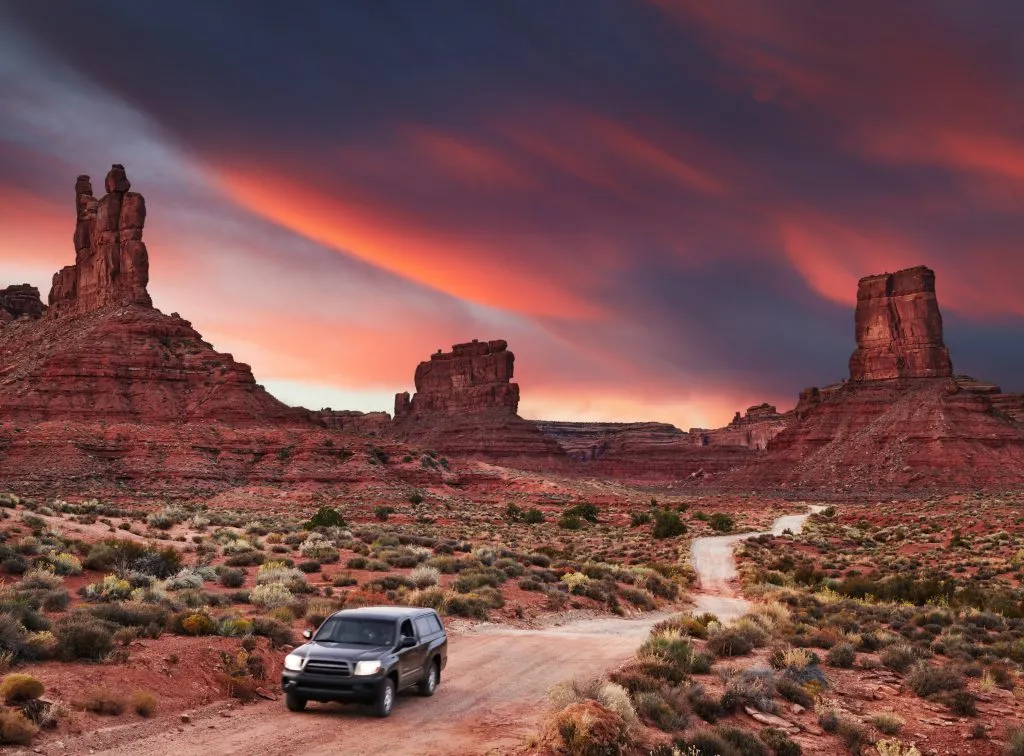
x,y
407,629
423,627
435,623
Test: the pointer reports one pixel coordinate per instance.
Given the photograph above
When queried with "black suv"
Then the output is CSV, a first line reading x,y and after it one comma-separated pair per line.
x,y
367,655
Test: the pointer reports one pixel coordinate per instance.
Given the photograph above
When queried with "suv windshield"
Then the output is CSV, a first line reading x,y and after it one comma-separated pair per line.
x,y
357,632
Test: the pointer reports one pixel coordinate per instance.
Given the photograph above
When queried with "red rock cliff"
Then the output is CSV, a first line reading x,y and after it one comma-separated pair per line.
x,y
111,261
899,328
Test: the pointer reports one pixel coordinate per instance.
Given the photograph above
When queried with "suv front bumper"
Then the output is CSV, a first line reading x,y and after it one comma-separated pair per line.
x,y
312,687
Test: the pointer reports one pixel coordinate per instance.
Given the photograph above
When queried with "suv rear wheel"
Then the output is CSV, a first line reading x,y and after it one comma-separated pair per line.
x,y
294,702
385,699
428,684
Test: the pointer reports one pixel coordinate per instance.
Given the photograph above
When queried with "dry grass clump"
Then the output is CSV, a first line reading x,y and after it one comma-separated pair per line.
x,y
586,729
142,703
102,701
15,728
18,688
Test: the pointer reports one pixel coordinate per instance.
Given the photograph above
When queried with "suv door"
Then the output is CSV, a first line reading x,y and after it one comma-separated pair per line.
x,y
410,660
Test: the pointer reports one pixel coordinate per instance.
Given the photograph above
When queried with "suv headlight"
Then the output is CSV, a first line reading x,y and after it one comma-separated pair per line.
x,y
367,667
294,662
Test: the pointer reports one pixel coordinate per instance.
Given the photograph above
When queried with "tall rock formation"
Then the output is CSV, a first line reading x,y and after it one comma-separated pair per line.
x,y
902,419
111,261
465,403
899,328
101,351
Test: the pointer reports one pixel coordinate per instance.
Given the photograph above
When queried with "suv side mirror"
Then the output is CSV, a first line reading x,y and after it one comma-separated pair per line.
x,y
307,634
407,642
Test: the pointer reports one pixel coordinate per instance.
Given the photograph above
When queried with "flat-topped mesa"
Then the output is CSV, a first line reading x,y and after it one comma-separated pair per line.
x,y
899,328
111,261
20,300
473,378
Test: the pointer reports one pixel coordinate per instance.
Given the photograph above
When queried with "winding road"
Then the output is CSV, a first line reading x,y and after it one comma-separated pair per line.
x,y
713,560
493,694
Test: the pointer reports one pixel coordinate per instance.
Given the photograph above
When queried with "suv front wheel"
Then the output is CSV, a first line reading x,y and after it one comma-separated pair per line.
x,y
385,699
428,684
293,702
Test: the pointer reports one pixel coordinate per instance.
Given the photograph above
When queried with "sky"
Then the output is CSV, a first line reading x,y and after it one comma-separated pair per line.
x,y
663,206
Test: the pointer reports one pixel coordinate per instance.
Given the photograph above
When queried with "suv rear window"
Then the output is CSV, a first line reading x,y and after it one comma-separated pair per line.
x,y
423,627
435,623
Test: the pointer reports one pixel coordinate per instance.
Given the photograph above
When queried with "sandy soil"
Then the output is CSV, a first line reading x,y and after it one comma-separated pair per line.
x,y
493,695
712,559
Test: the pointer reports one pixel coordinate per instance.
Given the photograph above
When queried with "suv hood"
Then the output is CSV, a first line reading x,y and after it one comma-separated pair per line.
x,y
340,651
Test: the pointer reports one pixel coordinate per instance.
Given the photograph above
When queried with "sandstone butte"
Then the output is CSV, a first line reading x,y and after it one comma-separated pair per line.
x,y
466,405
100,389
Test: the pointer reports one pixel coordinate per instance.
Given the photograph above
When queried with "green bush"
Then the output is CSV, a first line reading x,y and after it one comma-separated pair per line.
x,y
569,522
232,578
927,680
533,516
706,743
325,517
841,655
586,512
720,522
780,742
745,742
80,636
667,525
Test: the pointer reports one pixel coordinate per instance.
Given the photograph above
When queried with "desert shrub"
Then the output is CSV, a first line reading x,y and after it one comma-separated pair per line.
x,y
13,636
130,613
80,636
926,680
841,655
16,728
142,703
325,517
586,729
853,735
744,742
1015,740
17,688
232,578
888,722
197,623
898,657
184,580
425,576
110,588
382,512
704,706
344,580
667,524
270,595
670,646
234,627
246,559
636,519
729,642
588,512
638,598
319,548
793,691
751,687
533,516
721,522
961,702
570,522
780,742
276,631
102,701
653,706
705,743
308,567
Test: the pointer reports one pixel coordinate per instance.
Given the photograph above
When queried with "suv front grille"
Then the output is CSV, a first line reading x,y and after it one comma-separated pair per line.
x,y
328,667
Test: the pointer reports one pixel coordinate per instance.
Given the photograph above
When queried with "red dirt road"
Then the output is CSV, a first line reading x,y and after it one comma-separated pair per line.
x,y
493,695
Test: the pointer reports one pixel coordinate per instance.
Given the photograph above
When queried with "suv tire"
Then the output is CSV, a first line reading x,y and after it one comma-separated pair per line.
x,y
428,684
385,698
294,702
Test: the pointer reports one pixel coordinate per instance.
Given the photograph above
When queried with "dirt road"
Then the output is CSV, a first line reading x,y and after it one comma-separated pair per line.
x,y
492,696
712,558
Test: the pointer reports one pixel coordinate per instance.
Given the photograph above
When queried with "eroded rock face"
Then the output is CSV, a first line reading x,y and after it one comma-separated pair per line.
x,y
20,300
899,328
111,260
473,378
367,423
